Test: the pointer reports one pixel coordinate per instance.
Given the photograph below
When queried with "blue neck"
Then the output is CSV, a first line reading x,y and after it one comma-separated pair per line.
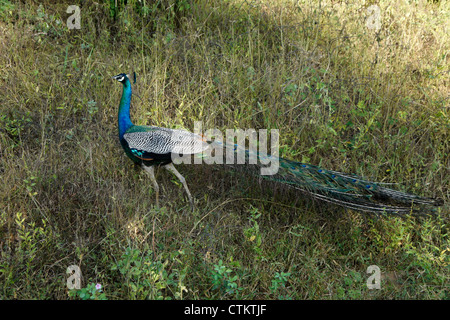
x,y
124,109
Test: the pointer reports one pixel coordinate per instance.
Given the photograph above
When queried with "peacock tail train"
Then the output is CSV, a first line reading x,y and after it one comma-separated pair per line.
x,y
347,190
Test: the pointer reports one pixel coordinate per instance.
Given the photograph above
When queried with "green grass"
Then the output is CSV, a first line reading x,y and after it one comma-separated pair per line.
x,y
341,95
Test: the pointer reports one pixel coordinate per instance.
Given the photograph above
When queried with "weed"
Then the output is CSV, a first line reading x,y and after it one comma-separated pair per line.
x,y
91,292
223,281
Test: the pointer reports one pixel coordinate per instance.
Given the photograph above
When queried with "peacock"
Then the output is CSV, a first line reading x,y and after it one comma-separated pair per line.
x,y
151,146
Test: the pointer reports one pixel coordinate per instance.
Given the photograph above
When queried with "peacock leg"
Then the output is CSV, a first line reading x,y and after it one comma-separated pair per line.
x,y
151,172
172,169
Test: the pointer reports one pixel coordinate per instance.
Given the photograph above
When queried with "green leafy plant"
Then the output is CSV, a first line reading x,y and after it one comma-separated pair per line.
x,y
253,234
91,292
279,284
147,278
6,8
223,279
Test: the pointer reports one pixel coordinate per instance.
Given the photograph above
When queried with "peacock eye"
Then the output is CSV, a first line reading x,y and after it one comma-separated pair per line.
x,y
120,79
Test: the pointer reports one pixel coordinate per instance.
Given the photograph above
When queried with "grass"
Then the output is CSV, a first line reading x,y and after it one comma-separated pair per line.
x,y
343,96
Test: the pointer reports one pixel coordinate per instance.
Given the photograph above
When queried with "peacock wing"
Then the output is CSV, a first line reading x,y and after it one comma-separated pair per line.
x,y
155,140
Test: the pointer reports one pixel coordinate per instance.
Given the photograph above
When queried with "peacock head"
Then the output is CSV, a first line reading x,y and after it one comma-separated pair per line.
x,y
122,77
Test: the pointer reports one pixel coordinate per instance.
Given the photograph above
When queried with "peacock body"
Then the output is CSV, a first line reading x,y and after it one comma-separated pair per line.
x,y
151,146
